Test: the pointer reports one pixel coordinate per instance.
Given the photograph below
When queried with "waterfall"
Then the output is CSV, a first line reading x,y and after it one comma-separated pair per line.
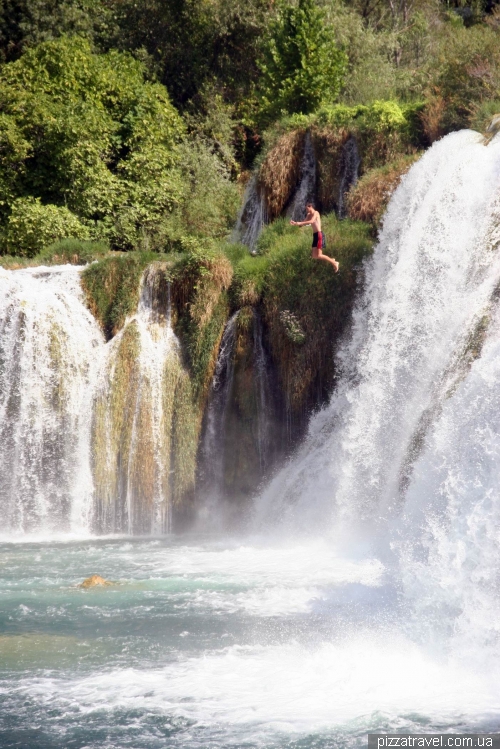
x,y
50,353
447,535
95,436
134,422
429,284
252,217
349,169
307,186
213,441
264,401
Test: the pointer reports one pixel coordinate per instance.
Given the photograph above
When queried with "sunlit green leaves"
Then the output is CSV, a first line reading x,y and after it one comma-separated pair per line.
x,y
90,133
32,226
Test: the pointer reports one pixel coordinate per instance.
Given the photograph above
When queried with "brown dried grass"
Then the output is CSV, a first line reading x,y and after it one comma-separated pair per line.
x,y
280,172
216,279
432,118
368,200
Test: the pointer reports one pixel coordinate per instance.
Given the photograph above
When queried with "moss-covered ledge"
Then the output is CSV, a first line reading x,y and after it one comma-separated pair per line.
x,y
112,286
305,306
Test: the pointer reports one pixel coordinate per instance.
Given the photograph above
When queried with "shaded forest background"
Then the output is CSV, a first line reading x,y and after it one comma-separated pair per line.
x,y
135,123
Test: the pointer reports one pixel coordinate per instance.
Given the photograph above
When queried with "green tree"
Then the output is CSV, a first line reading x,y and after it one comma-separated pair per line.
x,y
302,67
195,42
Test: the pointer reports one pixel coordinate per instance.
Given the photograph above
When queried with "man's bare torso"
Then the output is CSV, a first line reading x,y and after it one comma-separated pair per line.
x,y
315,220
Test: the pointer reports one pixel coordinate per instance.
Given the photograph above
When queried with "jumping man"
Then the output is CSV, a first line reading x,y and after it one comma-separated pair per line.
x,y
314,219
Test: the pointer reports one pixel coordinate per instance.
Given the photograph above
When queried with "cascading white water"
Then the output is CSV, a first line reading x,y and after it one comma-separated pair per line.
x,y
50,352
307,185
350,163
252,217
86,427
447,537
428,285
134,418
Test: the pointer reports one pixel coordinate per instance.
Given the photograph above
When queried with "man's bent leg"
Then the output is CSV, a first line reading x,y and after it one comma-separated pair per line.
x,y
320,256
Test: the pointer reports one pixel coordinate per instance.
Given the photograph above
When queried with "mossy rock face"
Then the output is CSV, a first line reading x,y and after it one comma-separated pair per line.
x,y
306,307
243,469
300,309
113,424
111,287
200,283
246,421
241,465
145,433
143,471
383,132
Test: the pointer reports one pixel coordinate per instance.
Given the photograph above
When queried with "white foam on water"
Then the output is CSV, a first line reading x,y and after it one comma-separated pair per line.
x,y
317,562
350,685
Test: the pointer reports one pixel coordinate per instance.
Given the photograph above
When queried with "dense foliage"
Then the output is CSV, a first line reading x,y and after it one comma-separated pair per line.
x,y
132,123
90,148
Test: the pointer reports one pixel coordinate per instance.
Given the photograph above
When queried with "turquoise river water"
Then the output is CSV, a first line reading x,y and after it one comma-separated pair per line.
x,y
202,643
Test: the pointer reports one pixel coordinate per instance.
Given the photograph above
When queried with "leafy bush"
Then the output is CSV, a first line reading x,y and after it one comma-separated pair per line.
x,y
378,117
210,201
90,133
32,226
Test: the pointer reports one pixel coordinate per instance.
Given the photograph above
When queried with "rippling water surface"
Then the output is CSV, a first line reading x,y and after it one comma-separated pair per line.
x,y
201,643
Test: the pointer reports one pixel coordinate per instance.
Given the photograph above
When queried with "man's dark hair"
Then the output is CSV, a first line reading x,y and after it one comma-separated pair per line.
x,y
309,202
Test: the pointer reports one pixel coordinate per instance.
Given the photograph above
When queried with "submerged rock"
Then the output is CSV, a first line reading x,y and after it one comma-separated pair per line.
x,y
93,581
